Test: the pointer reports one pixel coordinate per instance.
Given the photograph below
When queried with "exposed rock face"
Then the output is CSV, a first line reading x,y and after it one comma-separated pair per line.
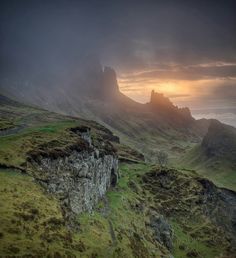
x,y
110,85
163,231
161,104
219,205
80,177
160,101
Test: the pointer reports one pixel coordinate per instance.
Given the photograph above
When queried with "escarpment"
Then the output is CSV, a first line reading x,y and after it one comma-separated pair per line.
x,y
80,174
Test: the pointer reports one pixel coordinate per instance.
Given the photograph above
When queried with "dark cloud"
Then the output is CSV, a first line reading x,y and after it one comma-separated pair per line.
x,y
181,72
54,35
46,44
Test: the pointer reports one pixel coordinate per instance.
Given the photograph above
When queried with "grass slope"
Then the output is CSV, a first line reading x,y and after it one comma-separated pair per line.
x,y
33,129
215,157
131,205
116,228
31,222
219,170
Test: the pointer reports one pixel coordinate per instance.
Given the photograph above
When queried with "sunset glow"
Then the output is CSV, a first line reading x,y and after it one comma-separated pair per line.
x,y
194,92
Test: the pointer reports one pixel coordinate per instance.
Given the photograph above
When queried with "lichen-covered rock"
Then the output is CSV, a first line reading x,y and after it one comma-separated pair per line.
x,y
79,177
162,231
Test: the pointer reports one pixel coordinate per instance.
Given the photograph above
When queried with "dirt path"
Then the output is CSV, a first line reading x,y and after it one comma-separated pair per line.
x,y
112,233
105,213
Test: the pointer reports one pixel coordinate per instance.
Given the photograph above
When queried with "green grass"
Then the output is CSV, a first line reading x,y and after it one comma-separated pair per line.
x,y
6,124
30,220
14,148
129,210
220,171
127,222
185,244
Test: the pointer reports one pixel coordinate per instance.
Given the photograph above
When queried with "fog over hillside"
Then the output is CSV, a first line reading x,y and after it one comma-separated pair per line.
x,y
185,50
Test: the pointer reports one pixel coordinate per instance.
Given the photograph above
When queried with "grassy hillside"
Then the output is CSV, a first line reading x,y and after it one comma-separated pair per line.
x,y
144,215
32,223
144,130
215,157
25,129
218,170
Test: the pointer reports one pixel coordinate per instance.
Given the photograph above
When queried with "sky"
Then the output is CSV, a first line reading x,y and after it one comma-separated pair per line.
x,y
185,49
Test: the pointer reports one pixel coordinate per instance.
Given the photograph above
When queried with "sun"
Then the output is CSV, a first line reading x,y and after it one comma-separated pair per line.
x,y
167,87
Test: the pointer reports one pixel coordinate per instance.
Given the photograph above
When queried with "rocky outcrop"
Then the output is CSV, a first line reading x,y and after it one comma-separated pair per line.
x,y
219,204
110,84
80,176
188,198
162,231
162,105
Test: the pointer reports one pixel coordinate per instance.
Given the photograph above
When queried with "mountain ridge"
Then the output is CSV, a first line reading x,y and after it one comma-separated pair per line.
x,y
95,95
148,128
67,198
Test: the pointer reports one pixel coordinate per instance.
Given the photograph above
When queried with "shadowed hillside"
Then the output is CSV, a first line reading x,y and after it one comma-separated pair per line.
x,y
94,94
215,157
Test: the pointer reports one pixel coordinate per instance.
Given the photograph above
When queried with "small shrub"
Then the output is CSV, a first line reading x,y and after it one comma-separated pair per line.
x,y
55,221
13,249
79,246
192,254
34,211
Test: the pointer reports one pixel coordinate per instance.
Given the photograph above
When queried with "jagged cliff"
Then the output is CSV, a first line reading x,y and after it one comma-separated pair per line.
x,y
93,93
71,158
162,105
79,176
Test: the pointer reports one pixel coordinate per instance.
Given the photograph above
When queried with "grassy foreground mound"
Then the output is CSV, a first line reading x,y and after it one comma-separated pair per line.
x,y
145,194
31,222
122,225
202,215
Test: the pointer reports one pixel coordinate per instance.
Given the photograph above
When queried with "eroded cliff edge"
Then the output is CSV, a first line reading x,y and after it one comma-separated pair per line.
x,y
79,174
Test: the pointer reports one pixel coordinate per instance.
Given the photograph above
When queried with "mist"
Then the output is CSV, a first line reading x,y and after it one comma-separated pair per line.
x,y
50,46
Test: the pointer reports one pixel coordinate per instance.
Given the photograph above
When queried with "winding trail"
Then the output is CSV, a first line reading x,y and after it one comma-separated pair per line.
x,y
105,212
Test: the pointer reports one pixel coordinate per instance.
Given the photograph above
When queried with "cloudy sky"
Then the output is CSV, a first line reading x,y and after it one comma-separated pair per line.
x,y
186,49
